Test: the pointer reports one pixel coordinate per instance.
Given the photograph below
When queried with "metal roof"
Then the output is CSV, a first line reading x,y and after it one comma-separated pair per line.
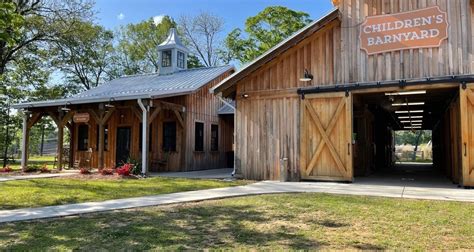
x,y
144,86
226,109
276,50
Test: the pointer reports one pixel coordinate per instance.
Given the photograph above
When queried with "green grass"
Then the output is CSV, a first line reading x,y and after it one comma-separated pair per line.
x,y
272,222
59,191
35,161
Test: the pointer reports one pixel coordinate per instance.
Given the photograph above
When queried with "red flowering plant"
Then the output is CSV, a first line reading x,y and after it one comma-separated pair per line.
x,y
6,169
125,169
85,171
107,171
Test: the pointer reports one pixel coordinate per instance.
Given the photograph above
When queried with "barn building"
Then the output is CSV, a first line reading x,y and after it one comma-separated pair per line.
x,y
324,104
168,120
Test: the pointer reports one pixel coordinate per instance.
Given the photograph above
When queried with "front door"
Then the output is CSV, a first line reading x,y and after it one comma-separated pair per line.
x,y
123,145
466,99
326,137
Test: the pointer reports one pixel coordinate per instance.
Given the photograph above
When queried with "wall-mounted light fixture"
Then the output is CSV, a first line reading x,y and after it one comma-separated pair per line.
x,y
110,105
65,108
245,95
307,77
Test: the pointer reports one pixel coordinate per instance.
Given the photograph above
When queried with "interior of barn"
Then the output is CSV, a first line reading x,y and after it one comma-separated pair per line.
x,y
378,116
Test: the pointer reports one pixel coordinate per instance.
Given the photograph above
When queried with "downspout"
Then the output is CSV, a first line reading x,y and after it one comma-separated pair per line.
x,y
144,136
233,107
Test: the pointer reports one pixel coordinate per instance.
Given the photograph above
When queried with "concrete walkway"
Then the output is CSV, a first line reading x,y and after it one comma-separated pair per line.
x,y
38,176
253,189
225,173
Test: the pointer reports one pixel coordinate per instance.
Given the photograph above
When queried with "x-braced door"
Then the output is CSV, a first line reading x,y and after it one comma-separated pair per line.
x,y
466,98
326,137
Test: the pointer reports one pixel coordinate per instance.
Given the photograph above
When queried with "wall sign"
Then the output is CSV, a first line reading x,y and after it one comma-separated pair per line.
x,y
81,118
423,28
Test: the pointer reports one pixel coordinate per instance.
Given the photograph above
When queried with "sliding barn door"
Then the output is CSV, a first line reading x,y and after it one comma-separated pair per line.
x,y
467,134
326,137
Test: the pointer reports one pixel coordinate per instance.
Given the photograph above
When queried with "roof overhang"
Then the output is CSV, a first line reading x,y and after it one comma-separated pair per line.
x,y
277,50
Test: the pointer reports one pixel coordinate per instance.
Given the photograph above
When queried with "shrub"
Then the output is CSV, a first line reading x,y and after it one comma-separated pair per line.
x,y
107,171
137,166
85,171
45,169
125,169
33,168
6,169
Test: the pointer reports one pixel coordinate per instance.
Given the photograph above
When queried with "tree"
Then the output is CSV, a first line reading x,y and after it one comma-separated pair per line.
x,y
263,31
84,55
202,34
137,49
33,23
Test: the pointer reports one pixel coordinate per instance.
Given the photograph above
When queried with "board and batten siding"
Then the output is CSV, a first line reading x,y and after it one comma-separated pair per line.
x,y
453,57
267,122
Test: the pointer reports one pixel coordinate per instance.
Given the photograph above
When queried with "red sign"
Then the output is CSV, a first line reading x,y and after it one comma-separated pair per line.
x,y
81,118
423,28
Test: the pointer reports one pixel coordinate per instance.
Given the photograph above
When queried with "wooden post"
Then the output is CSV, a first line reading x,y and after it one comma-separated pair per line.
x,y
60,145
24,146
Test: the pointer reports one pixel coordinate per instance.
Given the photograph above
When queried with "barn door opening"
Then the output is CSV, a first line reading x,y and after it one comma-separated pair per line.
x,y
326,136
466,98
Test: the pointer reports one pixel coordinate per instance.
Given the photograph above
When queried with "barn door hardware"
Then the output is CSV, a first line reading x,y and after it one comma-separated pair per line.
x,y
347,93
464,85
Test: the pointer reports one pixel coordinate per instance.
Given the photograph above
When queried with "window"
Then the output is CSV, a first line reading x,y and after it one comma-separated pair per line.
x,y
181,60
106,137
214,137
169,136
199,136
141,136
166,58
83,137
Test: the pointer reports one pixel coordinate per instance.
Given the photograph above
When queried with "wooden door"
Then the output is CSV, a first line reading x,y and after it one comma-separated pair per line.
x,y
326,137
466,98
123,145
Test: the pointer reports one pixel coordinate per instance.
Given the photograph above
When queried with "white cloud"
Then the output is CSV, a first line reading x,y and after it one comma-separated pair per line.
x,y
120,16
158,19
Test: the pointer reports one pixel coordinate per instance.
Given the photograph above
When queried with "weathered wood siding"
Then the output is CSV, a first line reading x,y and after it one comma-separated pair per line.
x,y
267,121
200,106
454,57
203,106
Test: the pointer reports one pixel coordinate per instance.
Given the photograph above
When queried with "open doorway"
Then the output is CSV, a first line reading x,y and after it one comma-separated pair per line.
x,y
400,136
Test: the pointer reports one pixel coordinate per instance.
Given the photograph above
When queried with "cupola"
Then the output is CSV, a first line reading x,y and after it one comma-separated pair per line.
x,y
173,55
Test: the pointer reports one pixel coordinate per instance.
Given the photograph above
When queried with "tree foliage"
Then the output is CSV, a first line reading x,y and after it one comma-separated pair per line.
x,y
137,50
263,31
84,55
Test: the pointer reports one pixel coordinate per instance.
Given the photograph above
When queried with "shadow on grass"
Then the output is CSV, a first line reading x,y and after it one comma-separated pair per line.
x,y
200,227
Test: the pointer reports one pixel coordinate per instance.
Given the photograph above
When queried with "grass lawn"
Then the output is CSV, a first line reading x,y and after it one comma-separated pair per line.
x,y
59,191
271,222
35,161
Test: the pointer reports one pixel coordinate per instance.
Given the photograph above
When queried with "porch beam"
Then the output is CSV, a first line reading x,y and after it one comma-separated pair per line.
x,y
172,106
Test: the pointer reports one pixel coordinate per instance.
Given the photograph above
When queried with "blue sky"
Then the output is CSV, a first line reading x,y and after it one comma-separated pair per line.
x,y
113,13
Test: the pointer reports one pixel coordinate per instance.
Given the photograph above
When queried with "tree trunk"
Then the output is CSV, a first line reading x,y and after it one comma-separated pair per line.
x,y
416,145
7,133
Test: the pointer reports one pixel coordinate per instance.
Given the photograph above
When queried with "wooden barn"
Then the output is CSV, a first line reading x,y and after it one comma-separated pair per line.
x,y
324,104
168,120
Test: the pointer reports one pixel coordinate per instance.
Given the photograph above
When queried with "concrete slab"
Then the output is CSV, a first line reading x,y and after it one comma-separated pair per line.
x,y
225,173
266,187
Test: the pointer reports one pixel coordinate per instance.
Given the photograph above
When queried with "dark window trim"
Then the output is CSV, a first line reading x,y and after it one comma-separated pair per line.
x,y
217,138
106,137
166,62
196,136
181,61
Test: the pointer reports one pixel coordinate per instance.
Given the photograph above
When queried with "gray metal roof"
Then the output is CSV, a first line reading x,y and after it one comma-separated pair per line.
x,y
144,86
226,109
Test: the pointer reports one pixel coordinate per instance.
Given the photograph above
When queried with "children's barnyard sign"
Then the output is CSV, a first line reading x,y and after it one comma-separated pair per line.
x,y
423,28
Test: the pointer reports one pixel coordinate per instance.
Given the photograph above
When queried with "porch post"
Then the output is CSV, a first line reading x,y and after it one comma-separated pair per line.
x,y
60,145
101,145
24,145
144,136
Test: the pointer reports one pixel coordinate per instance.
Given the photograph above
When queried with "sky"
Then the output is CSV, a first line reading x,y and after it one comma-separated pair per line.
x,y
114,13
